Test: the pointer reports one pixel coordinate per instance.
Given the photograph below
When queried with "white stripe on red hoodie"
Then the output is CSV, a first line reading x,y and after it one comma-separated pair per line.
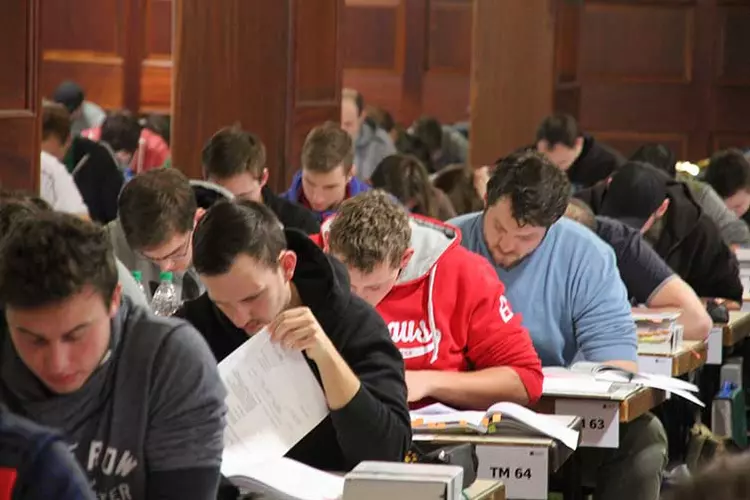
x,y
448,310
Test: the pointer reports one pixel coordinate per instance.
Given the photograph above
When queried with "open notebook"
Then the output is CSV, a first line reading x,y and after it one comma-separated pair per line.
x,y
592,379
500,418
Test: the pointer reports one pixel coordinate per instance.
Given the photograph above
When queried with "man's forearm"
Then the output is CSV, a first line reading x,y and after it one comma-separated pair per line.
x,y
480,389
340,384
630,366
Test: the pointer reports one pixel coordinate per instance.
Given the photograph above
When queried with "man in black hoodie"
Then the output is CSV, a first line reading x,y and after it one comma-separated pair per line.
x,y
585,160
236,160
665,212
260,275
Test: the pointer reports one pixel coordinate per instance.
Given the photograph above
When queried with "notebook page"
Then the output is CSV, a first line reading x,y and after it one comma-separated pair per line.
x,y
291,478
273,399
558,380
433,409
548,426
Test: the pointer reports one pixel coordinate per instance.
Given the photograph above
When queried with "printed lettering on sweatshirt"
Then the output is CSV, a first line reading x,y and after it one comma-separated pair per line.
x,y
111,466
415,339
506,313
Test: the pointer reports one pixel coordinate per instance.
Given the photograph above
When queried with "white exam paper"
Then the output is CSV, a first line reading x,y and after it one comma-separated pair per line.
x,y
273,401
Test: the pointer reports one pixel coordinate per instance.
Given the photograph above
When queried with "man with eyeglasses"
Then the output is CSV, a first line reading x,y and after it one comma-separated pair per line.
x,y
157,212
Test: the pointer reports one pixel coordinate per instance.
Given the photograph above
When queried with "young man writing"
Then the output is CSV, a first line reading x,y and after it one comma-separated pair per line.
x,y
648,279
445,309
259,275
328,175
157,212
564,282
137,397
236,160
728,172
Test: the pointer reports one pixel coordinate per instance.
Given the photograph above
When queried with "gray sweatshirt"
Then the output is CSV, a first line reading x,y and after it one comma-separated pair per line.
x,y
155,404
372,145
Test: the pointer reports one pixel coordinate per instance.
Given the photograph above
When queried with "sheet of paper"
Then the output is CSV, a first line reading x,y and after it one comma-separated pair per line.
x,y
542,423
433,409
291,478
567,382
472,417
273,400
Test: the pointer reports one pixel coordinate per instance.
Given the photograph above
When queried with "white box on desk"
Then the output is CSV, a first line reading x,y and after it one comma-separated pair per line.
x,y
391,480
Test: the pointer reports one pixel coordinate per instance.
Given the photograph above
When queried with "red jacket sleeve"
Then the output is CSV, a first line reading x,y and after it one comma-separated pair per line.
x,y
495,335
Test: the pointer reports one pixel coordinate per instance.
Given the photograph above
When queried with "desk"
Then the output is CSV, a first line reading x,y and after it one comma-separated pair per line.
x,y
523,463
737,329
636,403
690,356
484,489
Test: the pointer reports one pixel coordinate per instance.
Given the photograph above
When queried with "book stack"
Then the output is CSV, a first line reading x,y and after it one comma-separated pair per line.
x,y
658,332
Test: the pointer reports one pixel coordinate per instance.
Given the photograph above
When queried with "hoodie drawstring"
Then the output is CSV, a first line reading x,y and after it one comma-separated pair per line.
x,y
431,316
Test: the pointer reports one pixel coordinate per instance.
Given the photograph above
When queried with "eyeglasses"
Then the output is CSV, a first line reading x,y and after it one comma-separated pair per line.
x,y
179,253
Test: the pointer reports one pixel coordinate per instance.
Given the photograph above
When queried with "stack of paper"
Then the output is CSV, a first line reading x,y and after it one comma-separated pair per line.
x,y
658,332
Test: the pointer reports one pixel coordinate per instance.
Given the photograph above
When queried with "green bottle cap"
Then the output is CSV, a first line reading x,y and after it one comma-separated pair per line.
x,y
138,275
165,276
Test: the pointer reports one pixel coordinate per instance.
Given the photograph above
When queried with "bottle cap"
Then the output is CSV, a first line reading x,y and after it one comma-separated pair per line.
x,y
165,276
137,275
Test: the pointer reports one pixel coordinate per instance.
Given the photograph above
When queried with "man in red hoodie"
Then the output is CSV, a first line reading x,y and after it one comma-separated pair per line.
x,y
444,306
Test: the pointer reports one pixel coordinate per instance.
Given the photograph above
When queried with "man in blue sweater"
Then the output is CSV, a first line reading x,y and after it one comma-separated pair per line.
x,y
565,283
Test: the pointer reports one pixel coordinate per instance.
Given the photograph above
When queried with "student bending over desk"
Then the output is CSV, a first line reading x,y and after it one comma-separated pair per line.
x,y
445,309
647,278
138,397
260,275
564,282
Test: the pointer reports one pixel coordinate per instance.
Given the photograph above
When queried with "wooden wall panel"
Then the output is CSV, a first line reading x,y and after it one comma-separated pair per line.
x,y
88,49
19,95
293,92
411,57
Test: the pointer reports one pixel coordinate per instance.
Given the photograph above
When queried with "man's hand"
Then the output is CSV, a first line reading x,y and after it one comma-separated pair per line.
x,y
419,384
298,329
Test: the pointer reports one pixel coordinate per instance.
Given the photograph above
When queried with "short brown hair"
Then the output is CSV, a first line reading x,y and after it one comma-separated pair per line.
x,y
457,181
370,229
55,121
154,206
232,151
327,147
51,256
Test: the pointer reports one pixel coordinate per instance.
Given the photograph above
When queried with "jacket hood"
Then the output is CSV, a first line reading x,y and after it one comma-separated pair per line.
x,y
322,281
367,134
208,193
294,193
430,240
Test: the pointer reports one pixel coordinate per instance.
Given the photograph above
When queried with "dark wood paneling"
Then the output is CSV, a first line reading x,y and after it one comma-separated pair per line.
x,y
636,43
19,95
101,77
271,102
730,140
513,75
159,29
449,46
733,45
83,25
628,142
372,34
156,86
411,57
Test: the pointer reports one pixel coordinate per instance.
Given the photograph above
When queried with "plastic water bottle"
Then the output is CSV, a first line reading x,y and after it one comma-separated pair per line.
x,y
165,302
138,277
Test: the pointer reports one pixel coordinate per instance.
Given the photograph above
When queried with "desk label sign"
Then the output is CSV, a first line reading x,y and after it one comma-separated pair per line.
x,y
715,346
523,469
655,365
600,420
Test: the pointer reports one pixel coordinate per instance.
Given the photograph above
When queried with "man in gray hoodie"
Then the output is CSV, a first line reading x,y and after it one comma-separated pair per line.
x,y
371,143
137,397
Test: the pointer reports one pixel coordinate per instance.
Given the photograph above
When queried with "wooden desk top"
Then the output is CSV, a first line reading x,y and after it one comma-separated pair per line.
x,y
737,329
639,402
484,489
691,355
